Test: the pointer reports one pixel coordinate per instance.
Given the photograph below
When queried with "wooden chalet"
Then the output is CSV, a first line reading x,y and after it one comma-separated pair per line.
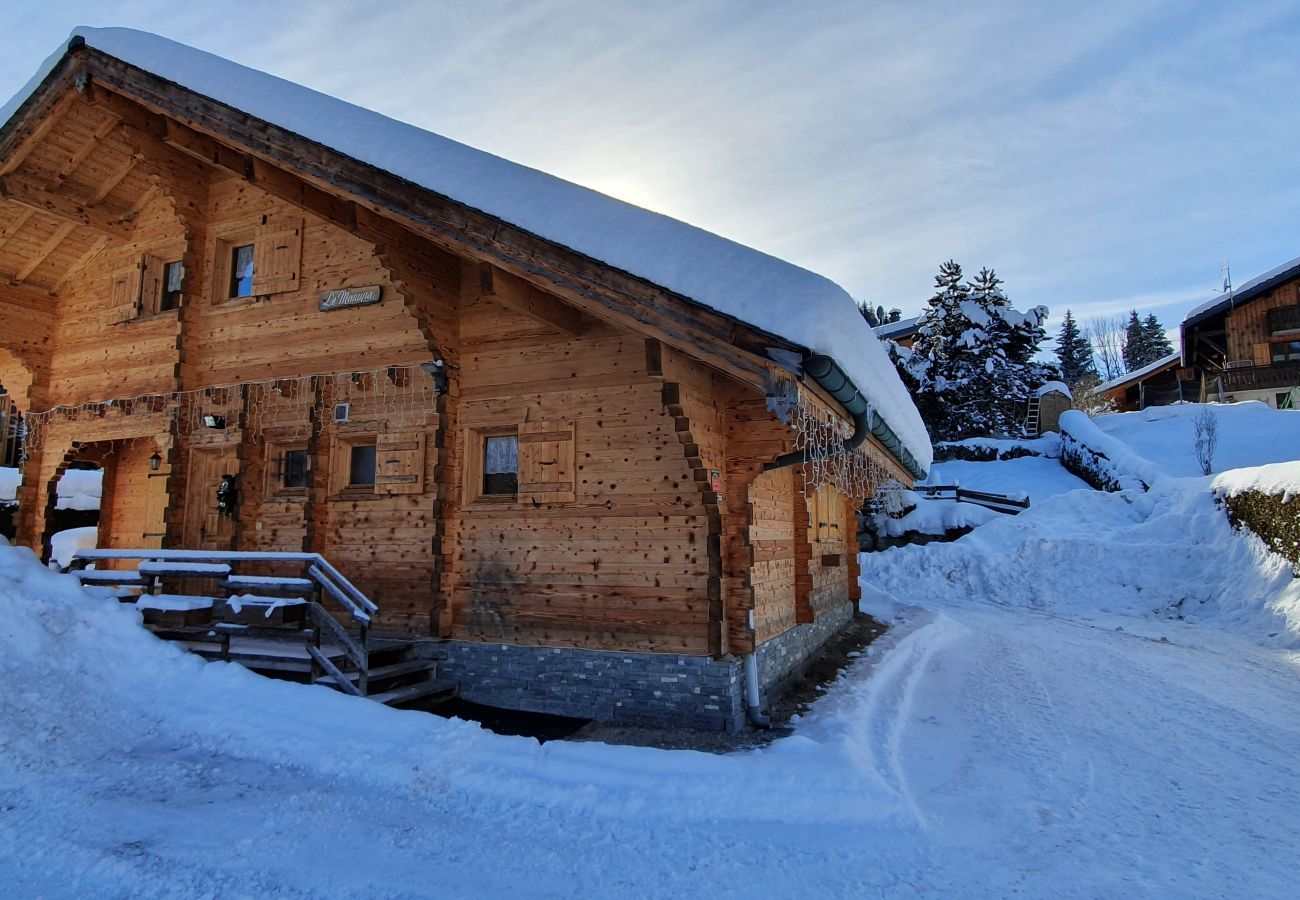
x,y
1245,344
583,488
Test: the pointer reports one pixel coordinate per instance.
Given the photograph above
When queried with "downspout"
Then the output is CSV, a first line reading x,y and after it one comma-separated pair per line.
x,y
753,697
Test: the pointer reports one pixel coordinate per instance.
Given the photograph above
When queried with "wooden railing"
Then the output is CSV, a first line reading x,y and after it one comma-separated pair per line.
x,y
326,581
1278,375
996,502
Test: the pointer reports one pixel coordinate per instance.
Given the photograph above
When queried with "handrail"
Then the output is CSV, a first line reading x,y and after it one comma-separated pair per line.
x,y
328,580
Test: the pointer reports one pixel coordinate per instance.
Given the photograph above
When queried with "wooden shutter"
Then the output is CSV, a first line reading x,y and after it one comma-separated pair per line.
x,y
399,463
277,256
124,294
811,501
1263,356
151,285
546,462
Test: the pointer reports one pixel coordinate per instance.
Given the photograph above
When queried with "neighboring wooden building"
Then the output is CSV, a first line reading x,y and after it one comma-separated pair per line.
x,y
902,332
509,443
1245,344
1160,383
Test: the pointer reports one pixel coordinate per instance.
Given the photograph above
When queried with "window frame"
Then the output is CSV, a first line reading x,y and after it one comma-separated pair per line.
x,y
475,463
233,279
1289,350
277,453
341,485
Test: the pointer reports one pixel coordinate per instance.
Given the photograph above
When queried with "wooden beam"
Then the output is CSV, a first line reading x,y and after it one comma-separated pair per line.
x,y
514,293
24,190
16,224
60,234
75,161
116,177
37,133
96,245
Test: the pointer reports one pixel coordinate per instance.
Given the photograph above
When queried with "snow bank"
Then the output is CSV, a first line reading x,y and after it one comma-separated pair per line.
x,y
1281,478
733,279
1168,552
1034,476
1112,461
80,489
984,449
64,544
1250,434
1059,387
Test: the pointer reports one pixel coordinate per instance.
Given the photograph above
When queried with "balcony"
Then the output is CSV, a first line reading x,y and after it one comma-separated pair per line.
x,y
1259,378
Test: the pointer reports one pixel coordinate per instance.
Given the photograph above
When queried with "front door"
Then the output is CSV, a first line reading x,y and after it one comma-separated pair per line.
x,y
207,525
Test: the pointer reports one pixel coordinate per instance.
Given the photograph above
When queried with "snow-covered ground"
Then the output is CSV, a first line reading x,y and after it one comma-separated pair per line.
x,y
1036,476
1035,724
1250,434
78,489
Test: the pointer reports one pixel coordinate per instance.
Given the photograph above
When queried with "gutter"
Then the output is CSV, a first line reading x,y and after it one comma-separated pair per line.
x,y
827,375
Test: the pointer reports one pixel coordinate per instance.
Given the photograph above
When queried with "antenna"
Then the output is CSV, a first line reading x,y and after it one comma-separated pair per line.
x,y
1225,270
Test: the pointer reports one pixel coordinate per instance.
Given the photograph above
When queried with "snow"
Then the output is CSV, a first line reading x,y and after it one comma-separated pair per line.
x,y
1059,387
1249,434
1048,444
10,478
80,489
1137,374
1281,479
1128,467
65,544
1035,476
237,603
173,602
938,517
764,291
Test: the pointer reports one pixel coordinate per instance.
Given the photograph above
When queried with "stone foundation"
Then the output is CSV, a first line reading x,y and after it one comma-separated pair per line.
x,y
656,689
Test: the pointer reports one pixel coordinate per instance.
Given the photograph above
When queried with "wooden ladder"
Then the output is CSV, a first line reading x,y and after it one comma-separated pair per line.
x,y
1032,416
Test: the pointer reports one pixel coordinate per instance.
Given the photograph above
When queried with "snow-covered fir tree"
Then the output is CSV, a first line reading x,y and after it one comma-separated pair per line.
x,y
1074,351
971,367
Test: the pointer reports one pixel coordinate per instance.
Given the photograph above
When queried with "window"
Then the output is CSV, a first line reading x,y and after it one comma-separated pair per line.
x,y
361,466
289,470
501,465
1288,352
172,282
241,271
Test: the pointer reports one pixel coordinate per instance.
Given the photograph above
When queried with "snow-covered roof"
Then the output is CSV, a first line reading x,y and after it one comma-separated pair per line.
x,y
761,290
1163,362
1250,290
1059,387
901,328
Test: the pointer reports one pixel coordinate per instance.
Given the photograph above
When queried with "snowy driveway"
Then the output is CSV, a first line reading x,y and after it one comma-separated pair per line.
x,y
992,751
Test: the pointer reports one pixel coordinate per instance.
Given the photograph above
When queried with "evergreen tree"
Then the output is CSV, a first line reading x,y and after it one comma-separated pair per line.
x,y
1074,352
1157,343
1135,343
972,360
869,314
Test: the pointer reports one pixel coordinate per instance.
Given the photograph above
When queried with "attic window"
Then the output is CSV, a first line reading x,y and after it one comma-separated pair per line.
x,y
241,271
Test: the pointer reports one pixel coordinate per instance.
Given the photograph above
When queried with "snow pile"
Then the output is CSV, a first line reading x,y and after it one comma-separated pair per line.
x,y
937,517
1036,477
985,449
764,291
10,478
1059,387
80,489
1167,552
65,544
1282,479
1110,461
1249,434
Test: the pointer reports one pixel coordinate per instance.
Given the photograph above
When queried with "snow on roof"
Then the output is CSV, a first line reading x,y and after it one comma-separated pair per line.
x,y
1139,374
766,292
897,329
1243,293
1059,387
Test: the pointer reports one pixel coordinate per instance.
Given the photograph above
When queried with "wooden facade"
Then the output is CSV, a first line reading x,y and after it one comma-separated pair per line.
x,y
643,519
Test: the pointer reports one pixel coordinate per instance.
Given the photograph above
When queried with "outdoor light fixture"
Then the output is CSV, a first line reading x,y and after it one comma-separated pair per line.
x,y
439,373
155,461
214,421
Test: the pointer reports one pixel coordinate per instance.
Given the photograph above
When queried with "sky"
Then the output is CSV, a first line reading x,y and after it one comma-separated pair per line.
x,y
1101,156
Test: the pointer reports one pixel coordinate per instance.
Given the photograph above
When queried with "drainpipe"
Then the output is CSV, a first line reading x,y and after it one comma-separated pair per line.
x,y
827,374
753,698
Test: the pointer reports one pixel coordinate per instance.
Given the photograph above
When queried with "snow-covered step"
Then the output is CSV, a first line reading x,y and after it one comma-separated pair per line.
x,y
268,584
110,577
184,568
383,673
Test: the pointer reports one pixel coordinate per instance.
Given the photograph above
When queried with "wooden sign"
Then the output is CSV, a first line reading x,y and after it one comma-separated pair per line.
x,y
346,298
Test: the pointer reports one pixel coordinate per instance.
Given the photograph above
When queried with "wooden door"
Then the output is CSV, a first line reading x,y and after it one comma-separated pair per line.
x,y
155,510
206,527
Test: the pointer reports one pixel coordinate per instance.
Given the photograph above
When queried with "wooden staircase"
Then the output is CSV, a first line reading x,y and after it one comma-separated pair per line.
x,y
280,622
